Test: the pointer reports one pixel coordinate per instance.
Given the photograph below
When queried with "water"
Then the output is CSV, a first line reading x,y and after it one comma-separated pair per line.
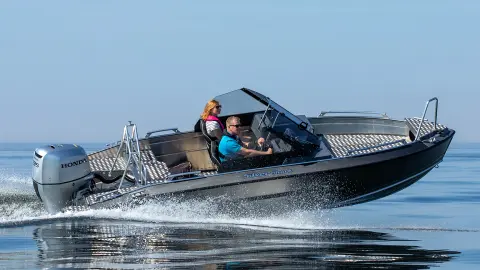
x,y
434,223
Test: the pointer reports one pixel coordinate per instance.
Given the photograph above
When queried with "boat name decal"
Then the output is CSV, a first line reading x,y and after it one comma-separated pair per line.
x,y
36,164
74,163
270,173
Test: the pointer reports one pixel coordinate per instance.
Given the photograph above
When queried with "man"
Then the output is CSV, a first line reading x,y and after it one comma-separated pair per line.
x,y
232,147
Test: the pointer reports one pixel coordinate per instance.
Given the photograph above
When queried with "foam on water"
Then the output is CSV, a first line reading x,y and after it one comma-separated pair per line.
x,y
18,200
19,205
167,212
15,180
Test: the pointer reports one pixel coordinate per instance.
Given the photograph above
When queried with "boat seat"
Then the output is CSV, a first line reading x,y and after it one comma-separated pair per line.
x,y
212,144
214,153
203,128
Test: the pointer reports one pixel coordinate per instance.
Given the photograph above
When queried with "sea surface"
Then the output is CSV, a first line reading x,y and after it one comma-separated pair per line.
x,y
434,223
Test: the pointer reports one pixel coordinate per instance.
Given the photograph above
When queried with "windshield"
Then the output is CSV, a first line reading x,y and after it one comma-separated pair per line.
x,y
247,101
288,115
276,119
277,124
238,102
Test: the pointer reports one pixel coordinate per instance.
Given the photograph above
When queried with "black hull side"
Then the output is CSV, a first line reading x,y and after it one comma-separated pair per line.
x,y
325,184
384,175
362,179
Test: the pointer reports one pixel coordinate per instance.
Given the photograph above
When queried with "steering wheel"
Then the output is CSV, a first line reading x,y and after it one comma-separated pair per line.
x,y
264,147
295,141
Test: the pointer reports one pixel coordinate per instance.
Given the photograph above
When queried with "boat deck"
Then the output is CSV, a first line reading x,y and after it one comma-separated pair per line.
x,y
340,145
343,145
157,171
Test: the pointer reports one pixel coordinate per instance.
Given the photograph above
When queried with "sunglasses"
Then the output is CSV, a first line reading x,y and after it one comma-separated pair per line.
x,y
236,126
218,107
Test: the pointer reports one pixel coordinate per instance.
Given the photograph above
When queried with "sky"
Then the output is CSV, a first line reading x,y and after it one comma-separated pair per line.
x,y
78,71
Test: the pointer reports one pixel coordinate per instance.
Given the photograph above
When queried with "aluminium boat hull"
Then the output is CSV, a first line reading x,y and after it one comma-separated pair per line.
x,y
317,162
310,185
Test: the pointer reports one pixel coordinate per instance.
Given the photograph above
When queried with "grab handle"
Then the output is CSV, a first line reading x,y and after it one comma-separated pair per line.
x,y
175,130
424,113
383,115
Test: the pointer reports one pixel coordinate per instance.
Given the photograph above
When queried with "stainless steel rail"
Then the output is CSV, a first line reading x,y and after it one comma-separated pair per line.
x,y
175,130
170,177
383,115
130,147
263,116
424,113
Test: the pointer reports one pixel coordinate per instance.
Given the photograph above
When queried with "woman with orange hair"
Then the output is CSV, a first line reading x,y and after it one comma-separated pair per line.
x,y
210,116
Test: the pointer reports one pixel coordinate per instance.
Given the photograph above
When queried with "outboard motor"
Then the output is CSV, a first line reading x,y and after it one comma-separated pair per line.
x,y
59,173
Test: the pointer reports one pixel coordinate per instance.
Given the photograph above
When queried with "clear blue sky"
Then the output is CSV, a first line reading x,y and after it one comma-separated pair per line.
x,y
77,71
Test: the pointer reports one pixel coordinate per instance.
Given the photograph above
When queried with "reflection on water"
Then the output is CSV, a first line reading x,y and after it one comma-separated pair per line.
x,y
108,244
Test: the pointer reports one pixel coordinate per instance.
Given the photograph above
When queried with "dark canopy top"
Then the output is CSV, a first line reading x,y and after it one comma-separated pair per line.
x,y
247,101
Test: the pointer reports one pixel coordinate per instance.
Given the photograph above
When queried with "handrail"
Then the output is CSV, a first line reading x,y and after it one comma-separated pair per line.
x,y
112,144
424,113
274,122
384,115
263,116
175,130
130,146
374,146
170,177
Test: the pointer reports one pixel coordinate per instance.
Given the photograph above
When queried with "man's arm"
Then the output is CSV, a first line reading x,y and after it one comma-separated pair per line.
x,y
251,152
238,149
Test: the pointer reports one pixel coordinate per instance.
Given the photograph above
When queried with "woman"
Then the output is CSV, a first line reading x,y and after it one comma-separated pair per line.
x,y
214,126
210,116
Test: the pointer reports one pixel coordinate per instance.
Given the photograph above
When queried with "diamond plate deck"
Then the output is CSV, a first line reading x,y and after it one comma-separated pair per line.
x,y
427,127
103,161
343,143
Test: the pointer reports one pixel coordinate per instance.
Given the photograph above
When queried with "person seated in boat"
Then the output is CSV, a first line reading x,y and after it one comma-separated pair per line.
x,y
214,126
210,114
231,147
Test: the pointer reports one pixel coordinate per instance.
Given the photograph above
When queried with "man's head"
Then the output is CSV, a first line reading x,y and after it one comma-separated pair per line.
x,y
233,123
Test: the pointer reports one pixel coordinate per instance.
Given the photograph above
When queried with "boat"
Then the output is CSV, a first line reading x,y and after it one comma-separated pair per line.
x,y
334,159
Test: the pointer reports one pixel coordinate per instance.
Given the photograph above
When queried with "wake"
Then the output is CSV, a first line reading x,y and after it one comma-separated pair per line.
x,y
20,206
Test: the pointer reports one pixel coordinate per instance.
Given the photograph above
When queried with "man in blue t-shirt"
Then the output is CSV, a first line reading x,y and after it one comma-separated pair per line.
x,y
231,147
